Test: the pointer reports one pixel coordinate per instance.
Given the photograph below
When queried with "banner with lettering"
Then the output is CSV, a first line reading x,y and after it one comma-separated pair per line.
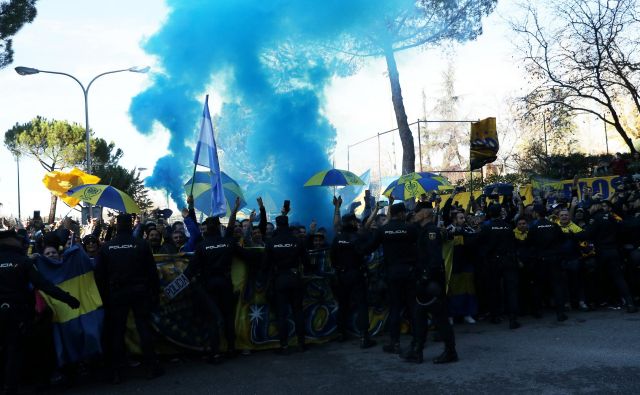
x,y
180,322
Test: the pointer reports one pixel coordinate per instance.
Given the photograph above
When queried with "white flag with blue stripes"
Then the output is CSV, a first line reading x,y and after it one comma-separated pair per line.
x,y
207,156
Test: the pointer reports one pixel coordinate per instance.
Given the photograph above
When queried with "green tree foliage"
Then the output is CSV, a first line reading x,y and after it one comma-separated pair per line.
x,y
57,145
427,23
54,144
13,15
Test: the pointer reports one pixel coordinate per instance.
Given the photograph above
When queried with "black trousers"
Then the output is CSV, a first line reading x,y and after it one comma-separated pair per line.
x,y
121,301
289,293
545,269
12,325
220,306
502,276
401,295
352,287
432,300
610,259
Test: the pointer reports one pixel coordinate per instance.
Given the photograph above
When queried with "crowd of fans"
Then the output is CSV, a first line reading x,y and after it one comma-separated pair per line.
x,y
592,261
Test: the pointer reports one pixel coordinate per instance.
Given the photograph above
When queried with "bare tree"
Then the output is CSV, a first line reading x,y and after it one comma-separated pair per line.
x,y
587,62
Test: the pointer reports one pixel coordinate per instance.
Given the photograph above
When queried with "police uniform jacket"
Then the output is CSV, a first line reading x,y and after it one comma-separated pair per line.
x,y
126,262
345,254
497,240
284,252
430,249
16,272
545,238
399,243
604,230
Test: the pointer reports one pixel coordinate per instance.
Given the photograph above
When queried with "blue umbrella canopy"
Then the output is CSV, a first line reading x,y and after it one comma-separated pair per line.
x,y
202,191
413,185
332,178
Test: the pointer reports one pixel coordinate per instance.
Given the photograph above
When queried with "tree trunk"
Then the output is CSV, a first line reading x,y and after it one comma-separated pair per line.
x,y
408,148
623,134
52,209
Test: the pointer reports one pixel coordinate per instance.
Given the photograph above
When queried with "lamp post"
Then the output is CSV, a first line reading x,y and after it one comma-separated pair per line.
x,y
18,169
85,91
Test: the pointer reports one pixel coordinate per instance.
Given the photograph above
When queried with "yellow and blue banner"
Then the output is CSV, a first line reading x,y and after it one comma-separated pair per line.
x,y
562,188
76,332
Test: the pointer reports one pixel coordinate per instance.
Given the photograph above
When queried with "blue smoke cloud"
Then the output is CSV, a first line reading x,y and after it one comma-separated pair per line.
x,y
272,59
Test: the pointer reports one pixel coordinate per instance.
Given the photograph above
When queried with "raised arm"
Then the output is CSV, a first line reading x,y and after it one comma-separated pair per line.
x,y
337,224
262,225
232,217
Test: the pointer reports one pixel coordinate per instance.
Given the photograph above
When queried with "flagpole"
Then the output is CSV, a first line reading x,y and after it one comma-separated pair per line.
x,y
193,178
195,165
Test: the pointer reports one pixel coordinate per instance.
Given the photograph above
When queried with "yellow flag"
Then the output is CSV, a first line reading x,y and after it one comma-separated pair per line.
x,y
484,144
59,182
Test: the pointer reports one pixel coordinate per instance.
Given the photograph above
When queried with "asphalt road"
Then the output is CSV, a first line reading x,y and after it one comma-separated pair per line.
x,y
595,352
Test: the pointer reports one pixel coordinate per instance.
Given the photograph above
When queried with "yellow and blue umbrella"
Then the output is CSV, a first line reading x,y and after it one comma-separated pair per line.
x,y
413,185
202,191
332,178
104,195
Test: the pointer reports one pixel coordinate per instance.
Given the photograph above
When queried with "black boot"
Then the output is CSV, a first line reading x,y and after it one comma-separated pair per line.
x,y
393,347
449,355
302,345
215,358
366,342
116,377
513,323
561,317
414,353
283,350
154,371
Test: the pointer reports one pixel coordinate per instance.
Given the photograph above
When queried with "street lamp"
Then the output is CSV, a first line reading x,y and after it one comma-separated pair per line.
x,y
30,71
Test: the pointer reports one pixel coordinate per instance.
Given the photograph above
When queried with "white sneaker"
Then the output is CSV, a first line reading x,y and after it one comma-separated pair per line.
x,y
469,319
450,320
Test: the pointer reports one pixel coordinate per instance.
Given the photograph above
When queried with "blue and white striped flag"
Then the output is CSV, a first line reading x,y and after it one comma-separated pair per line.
x,y
207,156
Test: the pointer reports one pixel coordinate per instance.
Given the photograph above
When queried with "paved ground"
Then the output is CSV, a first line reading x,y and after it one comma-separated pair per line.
x,y
596,352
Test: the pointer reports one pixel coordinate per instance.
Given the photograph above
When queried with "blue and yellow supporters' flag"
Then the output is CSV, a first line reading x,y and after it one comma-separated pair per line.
x,y
207,156
76,333
484,144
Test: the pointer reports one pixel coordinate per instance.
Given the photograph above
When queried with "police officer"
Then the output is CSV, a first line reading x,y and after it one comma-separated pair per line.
x,y
211,267
606,231
398,240
350,267
544,240
430,291
16,303
127,277
499,249
284,256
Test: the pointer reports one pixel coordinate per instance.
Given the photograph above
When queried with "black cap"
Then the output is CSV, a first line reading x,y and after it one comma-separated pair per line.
x,y
397,209
86,239
540,209
124,219
494,210
422,206
282,221
348,218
